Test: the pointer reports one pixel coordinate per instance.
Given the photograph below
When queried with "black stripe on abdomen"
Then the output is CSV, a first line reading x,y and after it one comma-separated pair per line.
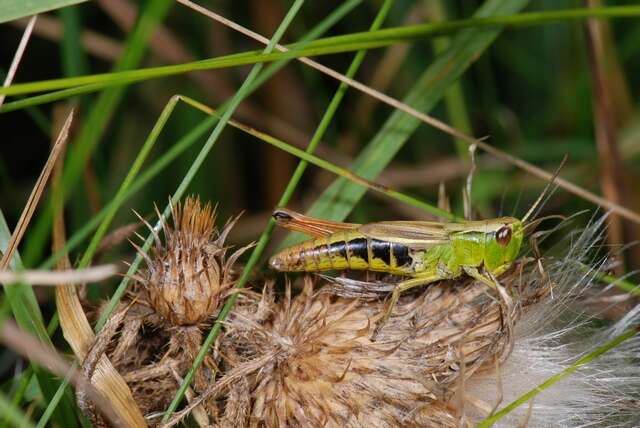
x,y
381,250
358,248
401,255
339,248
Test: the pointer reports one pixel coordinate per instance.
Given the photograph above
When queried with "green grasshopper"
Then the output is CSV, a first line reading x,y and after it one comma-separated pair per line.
x,y
423,251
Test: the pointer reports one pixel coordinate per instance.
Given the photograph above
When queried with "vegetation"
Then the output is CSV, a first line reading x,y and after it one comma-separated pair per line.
x,y
169,101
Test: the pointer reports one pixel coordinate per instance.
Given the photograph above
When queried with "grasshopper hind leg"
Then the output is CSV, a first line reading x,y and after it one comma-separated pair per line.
x,y
353,288
395,295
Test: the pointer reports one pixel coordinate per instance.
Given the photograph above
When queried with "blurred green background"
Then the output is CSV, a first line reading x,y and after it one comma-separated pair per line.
x,y
530,93
537,92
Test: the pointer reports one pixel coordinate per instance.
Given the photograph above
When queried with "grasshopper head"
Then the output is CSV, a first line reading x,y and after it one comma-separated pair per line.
x,y
503,245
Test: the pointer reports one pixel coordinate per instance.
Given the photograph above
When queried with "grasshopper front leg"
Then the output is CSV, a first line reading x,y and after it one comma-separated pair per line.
x,y
474,273
506,303
395,295
490,280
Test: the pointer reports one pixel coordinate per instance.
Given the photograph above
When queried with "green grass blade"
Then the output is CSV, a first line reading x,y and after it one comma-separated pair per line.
x,y
314,33
26,311
331,45
50,97
337,201
73,56
74,63
181,145
626,286
14,9
12,414
145,177
38,117
233,104
74,59
556,378
21,388
118,199
95,125
454,96
622,284
44,419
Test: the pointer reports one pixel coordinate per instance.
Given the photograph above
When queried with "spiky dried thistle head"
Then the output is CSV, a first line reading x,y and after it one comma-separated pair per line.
x,y
189,275
309,360
178,294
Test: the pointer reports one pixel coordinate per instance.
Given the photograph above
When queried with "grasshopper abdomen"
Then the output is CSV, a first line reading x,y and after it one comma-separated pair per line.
x,y
345,250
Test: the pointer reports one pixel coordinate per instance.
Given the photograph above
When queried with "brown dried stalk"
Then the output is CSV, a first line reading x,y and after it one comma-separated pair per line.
x,y
78,333
30,347
96,44
36,193
19,53
70,276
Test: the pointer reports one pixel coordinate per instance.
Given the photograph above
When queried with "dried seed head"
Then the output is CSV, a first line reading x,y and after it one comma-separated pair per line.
x,y
188,277
311,362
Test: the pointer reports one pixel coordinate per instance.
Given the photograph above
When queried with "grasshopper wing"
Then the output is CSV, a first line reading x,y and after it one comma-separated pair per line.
x,y
308,225
415,234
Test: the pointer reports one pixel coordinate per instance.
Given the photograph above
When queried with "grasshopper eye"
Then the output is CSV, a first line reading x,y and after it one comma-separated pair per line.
x,y
503,236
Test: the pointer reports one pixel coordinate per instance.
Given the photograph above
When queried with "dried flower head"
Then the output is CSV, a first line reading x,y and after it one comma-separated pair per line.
x,y
154,335
188,276
308,360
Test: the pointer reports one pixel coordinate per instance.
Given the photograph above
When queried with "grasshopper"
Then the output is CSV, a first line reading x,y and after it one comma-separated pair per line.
x,y
423,251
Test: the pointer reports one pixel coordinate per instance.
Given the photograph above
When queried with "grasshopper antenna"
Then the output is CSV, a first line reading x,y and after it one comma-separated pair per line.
x,y
545,191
